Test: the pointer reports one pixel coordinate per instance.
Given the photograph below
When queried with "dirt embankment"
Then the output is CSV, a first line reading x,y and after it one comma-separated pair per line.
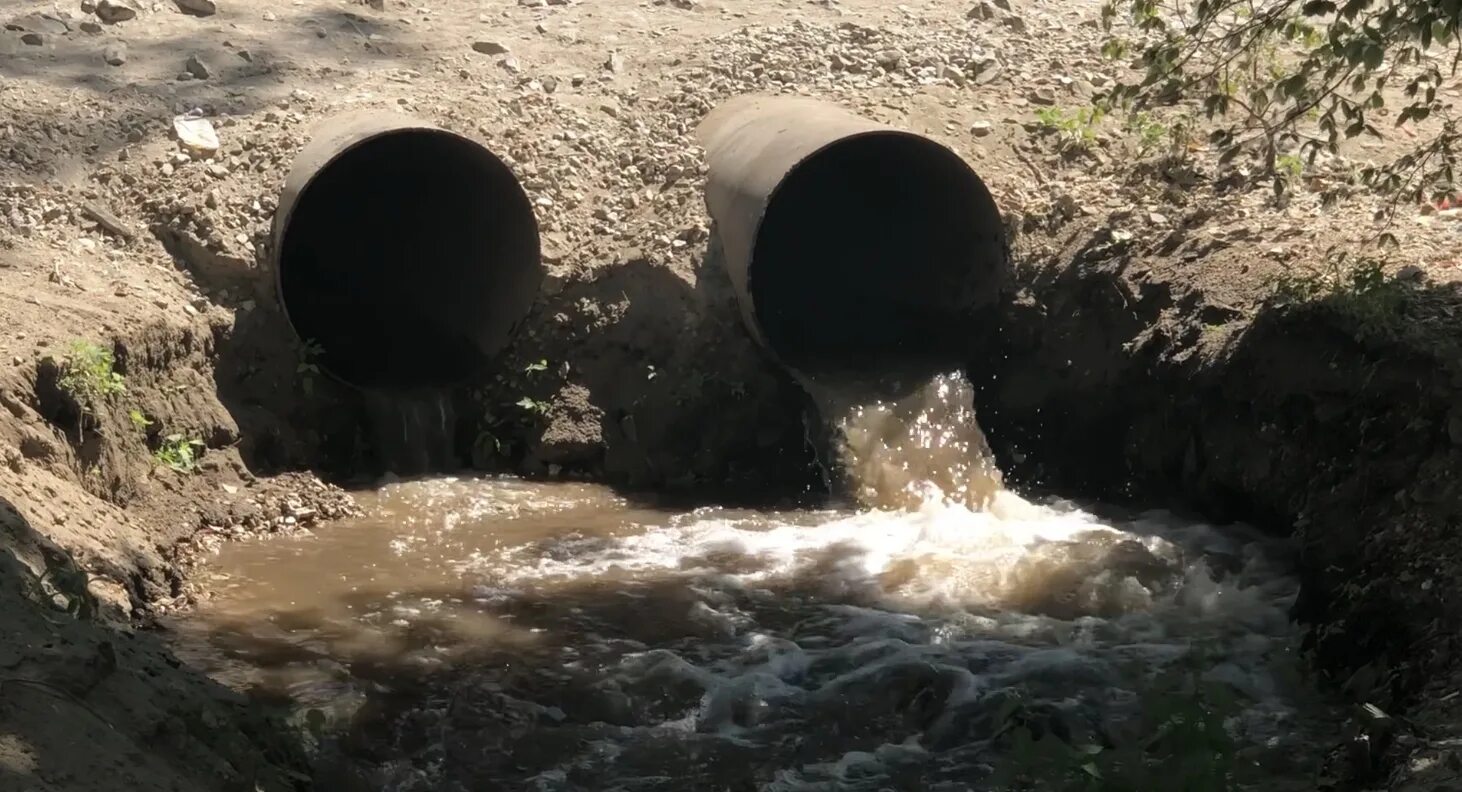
x,y
1140,369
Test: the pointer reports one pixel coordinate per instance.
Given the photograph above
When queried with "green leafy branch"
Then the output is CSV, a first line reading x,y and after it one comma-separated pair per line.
x,y
1301,75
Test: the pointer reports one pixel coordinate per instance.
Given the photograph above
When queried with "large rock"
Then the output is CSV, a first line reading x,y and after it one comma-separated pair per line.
x,y
112,13
197,7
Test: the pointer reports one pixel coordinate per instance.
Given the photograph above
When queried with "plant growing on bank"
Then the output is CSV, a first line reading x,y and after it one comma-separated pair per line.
x,y
1300,75
179,452
309,367
1075,130
1358,287
497,429
88,375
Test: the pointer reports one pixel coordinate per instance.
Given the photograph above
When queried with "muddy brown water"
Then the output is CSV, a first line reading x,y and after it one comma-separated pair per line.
x,y
490,633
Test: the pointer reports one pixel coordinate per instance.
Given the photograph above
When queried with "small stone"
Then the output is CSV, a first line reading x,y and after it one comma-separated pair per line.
x,y
115,54
1015,23
550,84
952,74
196,135
578,80
32,39
987,70
890,59
197,7
489,48
1042,96
1157,218
983,11
196,67
270,16
511,64
91,28
981,128
112,13
615,63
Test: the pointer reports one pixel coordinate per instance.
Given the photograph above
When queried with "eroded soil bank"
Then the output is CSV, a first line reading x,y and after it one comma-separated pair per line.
x,y
1165,339
1133,371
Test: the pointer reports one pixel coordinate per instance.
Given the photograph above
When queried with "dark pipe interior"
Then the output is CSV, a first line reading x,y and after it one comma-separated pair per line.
x,y
408,258
872,255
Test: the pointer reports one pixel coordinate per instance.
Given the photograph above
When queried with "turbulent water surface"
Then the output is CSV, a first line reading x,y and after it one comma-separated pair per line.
x,y
496,634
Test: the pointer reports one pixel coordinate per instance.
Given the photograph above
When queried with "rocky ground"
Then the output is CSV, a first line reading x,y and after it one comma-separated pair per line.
x,y
1173,332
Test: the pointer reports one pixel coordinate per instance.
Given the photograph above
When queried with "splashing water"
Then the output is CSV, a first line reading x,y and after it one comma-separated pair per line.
x,y
514,635
924,447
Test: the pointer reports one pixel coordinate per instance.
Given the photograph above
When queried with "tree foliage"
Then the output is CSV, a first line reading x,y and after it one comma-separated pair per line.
x,y
1300,76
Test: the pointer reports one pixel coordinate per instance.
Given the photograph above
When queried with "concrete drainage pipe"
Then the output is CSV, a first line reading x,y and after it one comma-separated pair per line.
x,y
855,248
406,253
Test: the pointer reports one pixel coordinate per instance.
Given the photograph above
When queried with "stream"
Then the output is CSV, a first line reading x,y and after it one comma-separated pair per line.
x,y
938,632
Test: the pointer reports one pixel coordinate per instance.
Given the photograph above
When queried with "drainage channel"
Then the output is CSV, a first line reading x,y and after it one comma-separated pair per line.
x,y
498,634
930,630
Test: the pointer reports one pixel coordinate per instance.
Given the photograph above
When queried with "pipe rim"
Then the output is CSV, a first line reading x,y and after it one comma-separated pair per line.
x,y
382,124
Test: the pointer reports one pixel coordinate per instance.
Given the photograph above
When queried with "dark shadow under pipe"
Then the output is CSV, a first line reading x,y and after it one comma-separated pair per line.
x,y
855,248
405,253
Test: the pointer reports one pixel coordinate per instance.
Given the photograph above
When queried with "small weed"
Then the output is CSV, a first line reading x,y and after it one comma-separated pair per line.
x,y
139,420
179,452
1289,166
533,405
88,375
1149,130
535,367
1075,130
1359,288
308,369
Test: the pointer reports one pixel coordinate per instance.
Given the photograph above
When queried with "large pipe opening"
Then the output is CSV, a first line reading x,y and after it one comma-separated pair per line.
x,y
405,254
871,256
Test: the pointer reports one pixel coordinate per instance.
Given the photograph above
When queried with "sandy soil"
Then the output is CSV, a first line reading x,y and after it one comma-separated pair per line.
x,y
1142,304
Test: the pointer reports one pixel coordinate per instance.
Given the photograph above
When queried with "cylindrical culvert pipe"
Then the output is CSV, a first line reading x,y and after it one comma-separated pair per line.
x,y
405,253
855,248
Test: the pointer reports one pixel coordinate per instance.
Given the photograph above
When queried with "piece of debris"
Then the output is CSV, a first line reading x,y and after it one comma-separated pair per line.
x,y
615,63
489,48
197,7
981,128
115,54
112,13
196,134
106,220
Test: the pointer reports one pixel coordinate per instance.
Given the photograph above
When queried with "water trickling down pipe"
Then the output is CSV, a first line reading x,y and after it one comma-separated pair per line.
x,y
406,253
854,247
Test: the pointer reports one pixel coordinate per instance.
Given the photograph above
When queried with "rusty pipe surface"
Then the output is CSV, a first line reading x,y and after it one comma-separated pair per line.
x,y
405,254
852,245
